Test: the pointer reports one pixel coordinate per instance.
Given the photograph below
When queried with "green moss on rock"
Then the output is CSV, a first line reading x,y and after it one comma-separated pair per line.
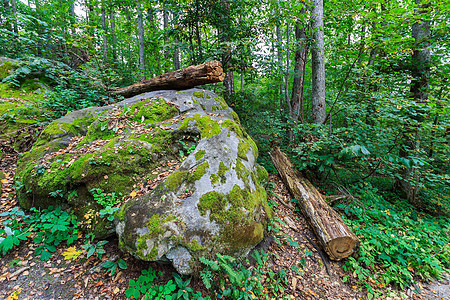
x,y
243,149
152,111
198,94
199,154
199,172
174,180
195,246
207,126
222,169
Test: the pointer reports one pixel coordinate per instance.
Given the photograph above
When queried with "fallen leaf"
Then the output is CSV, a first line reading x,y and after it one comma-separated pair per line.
x,y
100,283
116,290
71,253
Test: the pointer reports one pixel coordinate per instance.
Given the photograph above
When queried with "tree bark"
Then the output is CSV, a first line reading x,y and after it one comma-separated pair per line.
x,y
420,72
299,73
334,236
105,41
208,72
14,10
318,64
166,39
113,35
141,40
7,13
226,59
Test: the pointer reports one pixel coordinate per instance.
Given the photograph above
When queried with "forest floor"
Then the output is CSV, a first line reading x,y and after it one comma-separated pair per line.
x,y
309,273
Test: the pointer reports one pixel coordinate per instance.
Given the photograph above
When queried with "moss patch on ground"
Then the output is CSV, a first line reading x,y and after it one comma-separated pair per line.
x,y
6,69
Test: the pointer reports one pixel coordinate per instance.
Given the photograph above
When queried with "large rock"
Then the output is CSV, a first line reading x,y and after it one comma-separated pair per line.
x,y
214,202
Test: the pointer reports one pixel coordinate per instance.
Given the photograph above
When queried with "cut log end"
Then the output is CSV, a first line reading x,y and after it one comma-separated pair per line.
x,y
335,237
341,247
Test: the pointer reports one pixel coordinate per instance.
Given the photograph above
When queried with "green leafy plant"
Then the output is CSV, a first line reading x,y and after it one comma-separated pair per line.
x,y
105,199
399,243
177,289
51,227
92,248
112,266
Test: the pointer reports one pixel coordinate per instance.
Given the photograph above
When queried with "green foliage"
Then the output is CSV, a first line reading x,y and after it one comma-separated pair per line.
x,y
105,199
230,279
50,226
171,290
112,266
92,248
397,242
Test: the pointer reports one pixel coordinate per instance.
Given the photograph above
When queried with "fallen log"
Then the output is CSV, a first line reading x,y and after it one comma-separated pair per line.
x,y
334,236
208,72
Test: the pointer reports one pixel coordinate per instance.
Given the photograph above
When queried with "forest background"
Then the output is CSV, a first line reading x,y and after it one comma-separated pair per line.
x,y
356,92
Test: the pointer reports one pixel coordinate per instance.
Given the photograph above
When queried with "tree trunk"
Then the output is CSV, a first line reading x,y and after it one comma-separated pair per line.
x,y
113,36
72,15
14,10
420,72
288,59
166,39
228,82
7,14
334,236
176,54
279,67
141,40
299,74
105,41
208,72
318,64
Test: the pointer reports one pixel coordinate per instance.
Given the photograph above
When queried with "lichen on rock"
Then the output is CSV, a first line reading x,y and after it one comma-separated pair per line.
x,y
212,201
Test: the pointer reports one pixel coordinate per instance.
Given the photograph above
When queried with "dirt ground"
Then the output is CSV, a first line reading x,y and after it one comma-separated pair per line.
x,y
310,274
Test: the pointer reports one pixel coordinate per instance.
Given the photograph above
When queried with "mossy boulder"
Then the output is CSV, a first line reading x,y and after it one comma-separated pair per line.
x,y
213,202
21,113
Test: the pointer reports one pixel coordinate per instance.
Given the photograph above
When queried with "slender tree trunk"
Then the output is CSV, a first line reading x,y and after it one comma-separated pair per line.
x,y
113,36
166,39
72,15
288,59
7,14
420,72
279,66
226,60
105,41
176,54
318,64
14,10
141,40
299,73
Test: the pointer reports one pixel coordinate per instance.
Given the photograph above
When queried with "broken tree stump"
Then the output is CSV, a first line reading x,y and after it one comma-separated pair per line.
x,y
208,72
334,236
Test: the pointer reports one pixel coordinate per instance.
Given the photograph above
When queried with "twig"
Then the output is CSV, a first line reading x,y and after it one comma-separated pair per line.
x,y
18,272
321,254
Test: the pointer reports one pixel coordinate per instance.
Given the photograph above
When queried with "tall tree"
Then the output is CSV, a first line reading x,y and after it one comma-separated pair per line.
x,y
420,71
318,64
105,30
299,72
141,39
224,37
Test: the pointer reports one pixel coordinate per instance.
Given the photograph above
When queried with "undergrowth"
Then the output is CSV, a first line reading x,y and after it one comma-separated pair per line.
x,y
398,244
